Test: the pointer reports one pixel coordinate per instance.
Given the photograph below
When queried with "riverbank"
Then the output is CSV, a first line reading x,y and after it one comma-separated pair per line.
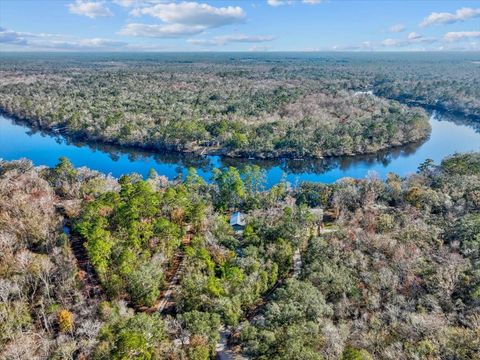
x,y
199,149
449,135
437,107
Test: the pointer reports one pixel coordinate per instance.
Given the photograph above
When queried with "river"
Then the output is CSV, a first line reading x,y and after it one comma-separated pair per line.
x,y
450,134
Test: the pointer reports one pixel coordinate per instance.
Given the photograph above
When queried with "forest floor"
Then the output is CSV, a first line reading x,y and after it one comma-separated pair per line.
x,y
87,275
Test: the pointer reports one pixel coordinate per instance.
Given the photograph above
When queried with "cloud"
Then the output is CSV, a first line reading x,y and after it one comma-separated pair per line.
x,y
394,42
396,28
277,2
137,3
462,14
259,48
451,41
161,31
227,39
127,3
44,41
412,39
98,42
466,44
414,36
12,37
291,2
85,44
363,46
182,19
461,35
90,9
194,14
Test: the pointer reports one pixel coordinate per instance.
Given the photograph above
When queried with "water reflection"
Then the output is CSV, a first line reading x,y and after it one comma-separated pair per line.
x,y
471,121
450,133
291,166
115,152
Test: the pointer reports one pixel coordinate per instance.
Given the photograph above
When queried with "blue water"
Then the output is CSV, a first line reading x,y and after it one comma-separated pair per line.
x,y
449,135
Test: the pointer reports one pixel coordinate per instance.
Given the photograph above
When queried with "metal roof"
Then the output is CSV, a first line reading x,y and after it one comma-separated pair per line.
x,y
237,218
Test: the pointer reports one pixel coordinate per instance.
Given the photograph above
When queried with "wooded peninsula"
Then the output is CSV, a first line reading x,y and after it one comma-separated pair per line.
x,y
239,105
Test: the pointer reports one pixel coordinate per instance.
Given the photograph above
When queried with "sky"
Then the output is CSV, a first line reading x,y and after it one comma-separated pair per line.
x,y
246,25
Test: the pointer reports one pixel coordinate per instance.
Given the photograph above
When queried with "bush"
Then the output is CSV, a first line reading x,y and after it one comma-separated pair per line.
x,y
65,321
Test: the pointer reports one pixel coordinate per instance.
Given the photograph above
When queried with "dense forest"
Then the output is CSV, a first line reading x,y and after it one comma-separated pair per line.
x,y
238,105
358,269
457,89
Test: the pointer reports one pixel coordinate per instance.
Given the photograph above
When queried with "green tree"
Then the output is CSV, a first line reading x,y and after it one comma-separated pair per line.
x,y
351,353
144,284
132,337
202,323
254,178
231,189
99,246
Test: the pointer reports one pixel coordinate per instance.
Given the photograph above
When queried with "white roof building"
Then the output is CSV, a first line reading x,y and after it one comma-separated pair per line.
x,y
237,221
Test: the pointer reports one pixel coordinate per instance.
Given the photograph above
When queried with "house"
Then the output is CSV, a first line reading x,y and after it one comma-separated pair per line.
x,y
237,222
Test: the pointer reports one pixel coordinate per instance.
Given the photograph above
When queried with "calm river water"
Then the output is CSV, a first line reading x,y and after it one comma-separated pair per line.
x,y
450,134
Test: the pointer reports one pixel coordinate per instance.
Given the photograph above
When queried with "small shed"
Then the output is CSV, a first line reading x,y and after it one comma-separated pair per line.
x,y
237,222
